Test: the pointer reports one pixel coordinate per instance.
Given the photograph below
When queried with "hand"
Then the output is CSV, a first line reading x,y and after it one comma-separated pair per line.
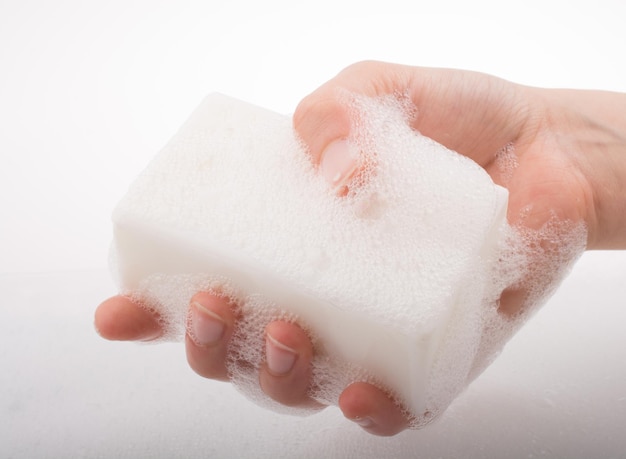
x,y
570,166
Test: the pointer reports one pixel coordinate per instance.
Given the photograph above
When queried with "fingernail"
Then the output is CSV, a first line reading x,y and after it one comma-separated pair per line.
x,y
364,422
280,358
338,163
205,327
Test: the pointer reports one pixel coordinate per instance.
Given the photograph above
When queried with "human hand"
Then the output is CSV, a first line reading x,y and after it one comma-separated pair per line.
x,y
474,114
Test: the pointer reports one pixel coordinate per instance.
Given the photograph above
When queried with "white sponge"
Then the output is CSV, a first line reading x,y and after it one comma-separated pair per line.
x,y
396,283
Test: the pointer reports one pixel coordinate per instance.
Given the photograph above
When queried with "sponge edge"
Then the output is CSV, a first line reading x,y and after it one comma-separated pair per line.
x,y
396,283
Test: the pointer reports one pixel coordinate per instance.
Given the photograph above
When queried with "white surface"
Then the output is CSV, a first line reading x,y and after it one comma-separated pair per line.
x,y
89,91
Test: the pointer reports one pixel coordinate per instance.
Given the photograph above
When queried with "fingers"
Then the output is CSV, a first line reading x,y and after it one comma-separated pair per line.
x,y
468,112
120,319
372,409
210,324
285,376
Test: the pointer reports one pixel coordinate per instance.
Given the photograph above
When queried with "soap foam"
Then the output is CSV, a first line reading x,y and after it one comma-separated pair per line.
x,y
418,249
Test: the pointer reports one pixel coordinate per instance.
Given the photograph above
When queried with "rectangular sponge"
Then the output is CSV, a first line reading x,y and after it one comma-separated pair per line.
x,y
393,281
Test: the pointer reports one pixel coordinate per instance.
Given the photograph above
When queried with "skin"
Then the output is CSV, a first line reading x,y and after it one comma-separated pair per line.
x,y
570,147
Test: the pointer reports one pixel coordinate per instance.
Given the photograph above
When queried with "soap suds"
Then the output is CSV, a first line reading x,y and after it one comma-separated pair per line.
x,y
506,162
419,247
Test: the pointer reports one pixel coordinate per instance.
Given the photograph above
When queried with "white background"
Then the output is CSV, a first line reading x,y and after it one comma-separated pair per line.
x,y
89,92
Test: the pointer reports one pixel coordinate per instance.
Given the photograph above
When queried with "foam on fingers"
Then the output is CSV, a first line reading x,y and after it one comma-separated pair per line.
x,y
397,283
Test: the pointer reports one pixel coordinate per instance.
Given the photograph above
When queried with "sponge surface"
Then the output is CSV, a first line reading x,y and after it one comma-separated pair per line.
x,y
397,283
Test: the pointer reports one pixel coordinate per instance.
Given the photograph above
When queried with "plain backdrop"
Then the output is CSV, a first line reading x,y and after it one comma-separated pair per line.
x,y
90,91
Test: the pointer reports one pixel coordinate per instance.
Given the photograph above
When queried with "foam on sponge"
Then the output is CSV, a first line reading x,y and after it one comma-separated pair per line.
x,y
397,283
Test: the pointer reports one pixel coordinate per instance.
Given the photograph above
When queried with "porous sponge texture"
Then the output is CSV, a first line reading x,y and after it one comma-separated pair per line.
x,y
396,283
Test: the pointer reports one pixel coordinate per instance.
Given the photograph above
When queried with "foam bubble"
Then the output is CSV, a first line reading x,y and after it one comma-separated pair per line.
x,y
399,283
506,163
